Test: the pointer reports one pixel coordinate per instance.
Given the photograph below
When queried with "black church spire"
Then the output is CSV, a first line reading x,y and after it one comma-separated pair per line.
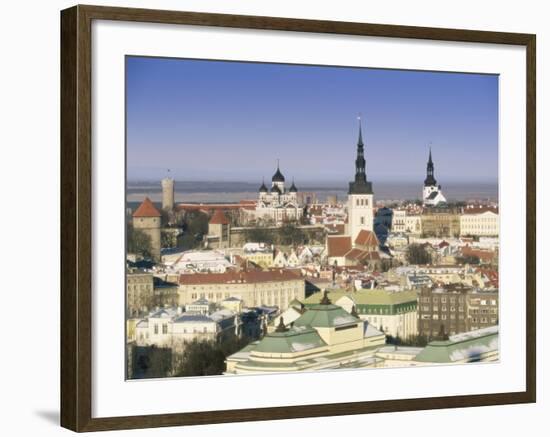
x,y
360,185
430,179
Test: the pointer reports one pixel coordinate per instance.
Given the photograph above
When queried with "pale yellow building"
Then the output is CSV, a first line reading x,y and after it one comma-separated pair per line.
x,y
276,287
480,222
139,293
260,254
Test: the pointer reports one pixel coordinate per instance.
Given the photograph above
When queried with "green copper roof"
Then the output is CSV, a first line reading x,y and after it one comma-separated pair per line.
x,y
325,316
368,297
296,339
468,346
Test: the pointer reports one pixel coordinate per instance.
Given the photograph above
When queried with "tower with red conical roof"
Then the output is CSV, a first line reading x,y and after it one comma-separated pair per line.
x,y
147,219
219,228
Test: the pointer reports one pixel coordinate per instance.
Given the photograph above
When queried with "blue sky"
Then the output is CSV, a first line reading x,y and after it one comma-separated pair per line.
x,y
216,120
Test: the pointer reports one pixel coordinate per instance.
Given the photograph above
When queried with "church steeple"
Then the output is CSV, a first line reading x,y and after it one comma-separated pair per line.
x,y
430,179
360,185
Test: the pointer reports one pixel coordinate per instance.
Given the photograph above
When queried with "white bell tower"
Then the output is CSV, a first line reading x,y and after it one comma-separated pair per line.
x,y
360,195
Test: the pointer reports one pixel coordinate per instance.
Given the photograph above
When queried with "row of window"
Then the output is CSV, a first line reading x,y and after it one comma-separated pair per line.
x,y
443,317
443,308
435,299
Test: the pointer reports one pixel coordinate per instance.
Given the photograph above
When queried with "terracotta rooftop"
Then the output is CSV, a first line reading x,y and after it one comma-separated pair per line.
x,y
480,210
366,238
146,209
253,276
362,255
219,218
483,255
338,246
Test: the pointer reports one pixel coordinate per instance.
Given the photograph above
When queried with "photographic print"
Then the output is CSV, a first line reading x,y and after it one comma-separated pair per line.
x,y
302,218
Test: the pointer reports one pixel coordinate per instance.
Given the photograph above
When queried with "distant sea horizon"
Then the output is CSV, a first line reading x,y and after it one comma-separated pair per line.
x,y
232,191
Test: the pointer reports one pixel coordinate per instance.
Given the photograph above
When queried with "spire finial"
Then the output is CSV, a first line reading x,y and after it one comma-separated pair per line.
x,y
325,300
281,327
430,157
277,163
360,140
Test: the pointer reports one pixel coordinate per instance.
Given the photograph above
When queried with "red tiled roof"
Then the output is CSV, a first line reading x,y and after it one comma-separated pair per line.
x,y
219,218
252,276
146,209
366,238
480,210
362,255
490,274
338,246
207,206
483,255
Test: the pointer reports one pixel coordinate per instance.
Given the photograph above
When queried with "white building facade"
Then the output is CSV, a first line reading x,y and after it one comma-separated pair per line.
x,y
479,222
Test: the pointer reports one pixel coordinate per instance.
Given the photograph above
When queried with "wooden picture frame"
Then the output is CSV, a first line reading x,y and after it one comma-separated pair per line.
x,y
76,217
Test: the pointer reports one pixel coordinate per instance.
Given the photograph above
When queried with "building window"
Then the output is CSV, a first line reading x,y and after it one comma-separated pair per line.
x,y
156,328
165,328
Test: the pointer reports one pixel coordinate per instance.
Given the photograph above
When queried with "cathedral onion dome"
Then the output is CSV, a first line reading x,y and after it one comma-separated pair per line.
x,y
275,189
278,176
293,188
263,188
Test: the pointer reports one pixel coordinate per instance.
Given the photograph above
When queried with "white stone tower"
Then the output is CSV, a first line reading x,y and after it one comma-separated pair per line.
x,y
360,195
167,194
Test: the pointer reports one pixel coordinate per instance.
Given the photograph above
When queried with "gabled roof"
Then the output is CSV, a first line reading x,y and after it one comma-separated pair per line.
x,y
338,245
362,255
366,238
146,209
219,218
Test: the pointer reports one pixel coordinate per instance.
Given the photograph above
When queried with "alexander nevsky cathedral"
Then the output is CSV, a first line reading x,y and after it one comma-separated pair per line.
x,y
277,204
